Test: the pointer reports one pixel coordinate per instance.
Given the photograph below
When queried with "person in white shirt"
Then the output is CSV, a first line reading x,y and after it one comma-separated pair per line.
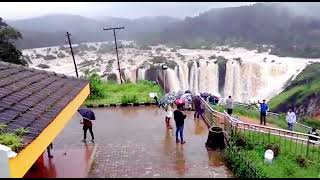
x,y
229,103
291,119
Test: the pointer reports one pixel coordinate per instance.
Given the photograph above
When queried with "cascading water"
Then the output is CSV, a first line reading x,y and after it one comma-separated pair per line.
x,y
244,81
141,74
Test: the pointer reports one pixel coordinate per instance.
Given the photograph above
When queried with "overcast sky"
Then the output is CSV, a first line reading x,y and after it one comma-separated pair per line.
x,y
21,10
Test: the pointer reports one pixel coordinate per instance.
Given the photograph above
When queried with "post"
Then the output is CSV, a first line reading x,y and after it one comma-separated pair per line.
x,y
115,42
4,165
74,61
308,144
164,81
164,67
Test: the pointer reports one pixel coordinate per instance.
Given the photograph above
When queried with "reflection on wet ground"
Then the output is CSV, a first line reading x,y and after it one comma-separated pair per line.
x,y
63,164
134,142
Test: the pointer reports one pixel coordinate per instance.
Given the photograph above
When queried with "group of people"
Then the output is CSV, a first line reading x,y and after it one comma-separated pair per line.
x,y
179,118
291,116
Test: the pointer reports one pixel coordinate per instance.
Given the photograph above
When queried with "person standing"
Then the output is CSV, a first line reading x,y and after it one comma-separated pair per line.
x,y
229,103
168,116
263,111
156,99
87,125
313,132
179,119
49,150
197,106
291,119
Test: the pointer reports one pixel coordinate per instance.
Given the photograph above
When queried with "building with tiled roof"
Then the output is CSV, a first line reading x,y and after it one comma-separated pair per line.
x,y
38,100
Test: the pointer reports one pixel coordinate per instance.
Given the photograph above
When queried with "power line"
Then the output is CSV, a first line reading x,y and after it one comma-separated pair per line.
x,y
74,61
115,42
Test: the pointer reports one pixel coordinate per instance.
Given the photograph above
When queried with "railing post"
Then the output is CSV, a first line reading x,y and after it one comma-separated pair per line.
x,y
308,142
224,123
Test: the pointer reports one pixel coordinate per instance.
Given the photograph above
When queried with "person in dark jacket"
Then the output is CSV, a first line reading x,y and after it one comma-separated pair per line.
x,y
197,106
87,124
179,119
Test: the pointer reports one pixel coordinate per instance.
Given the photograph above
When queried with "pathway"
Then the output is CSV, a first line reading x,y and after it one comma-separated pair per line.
x,y
133,142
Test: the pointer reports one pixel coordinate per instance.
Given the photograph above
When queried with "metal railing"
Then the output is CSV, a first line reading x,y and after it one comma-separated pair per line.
x,y
289,141
276,115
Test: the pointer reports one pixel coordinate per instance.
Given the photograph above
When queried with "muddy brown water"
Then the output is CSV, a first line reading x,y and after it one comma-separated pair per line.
x,y
134,142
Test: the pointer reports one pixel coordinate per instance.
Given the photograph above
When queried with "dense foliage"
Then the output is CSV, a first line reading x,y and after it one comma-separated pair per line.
x,y
8,52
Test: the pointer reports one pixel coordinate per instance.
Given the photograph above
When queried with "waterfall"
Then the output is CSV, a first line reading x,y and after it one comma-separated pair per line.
x,y
245,82
193,79
233,81
182,72
172,80
141,74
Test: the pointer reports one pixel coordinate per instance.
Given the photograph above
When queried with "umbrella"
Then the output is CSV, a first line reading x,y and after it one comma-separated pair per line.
x,y
205,94
87,113
186,97
216,95
179,101
168,99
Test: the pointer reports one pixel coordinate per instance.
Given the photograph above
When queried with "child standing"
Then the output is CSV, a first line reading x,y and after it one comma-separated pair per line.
x,y
168,116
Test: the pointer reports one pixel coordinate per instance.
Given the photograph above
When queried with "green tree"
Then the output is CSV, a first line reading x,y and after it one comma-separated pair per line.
x,y
8,52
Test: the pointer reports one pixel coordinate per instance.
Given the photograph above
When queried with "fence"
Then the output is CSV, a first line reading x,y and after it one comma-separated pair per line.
x,y
303,127
289,141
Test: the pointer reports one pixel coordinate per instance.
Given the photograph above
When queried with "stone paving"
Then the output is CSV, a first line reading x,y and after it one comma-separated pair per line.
x,y
133,142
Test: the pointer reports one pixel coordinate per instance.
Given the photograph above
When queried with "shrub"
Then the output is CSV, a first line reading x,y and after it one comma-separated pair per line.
x,y
61,55
22,131
301,161
213,57
49,57
129,99
43,66
240,164
39,56
96,85
2,128
11,140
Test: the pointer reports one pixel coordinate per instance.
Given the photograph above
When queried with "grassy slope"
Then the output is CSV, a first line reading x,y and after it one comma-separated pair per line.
x,y
113,92
299,90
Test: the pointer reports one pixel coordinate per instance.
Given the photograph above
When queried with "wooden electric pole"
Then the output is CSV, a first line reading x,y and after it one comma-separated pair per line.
x,y
115,42
74,61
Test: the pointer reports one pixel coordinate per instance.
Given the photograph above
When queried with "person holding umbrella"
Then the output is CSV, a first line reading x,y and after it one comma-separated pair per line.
x,y
87,118
179,118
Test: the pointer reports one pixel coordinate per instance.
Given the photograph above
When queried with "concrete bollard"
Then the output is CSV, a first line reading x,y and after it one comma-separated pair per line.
x,y
4,162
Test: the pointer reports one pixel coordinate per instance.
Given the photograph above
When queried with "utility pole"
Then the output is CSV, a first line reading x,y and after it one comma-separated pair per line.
x,y
74,61
115,42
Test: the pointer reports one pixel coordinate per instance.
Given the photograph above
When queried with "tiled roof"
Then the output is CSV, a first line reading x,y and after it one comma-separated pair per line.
x,y
31,98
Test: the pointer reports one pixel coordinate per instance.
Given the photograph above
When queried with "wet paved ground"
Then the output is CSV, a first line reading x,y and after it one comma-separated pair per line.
x,y
133,142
